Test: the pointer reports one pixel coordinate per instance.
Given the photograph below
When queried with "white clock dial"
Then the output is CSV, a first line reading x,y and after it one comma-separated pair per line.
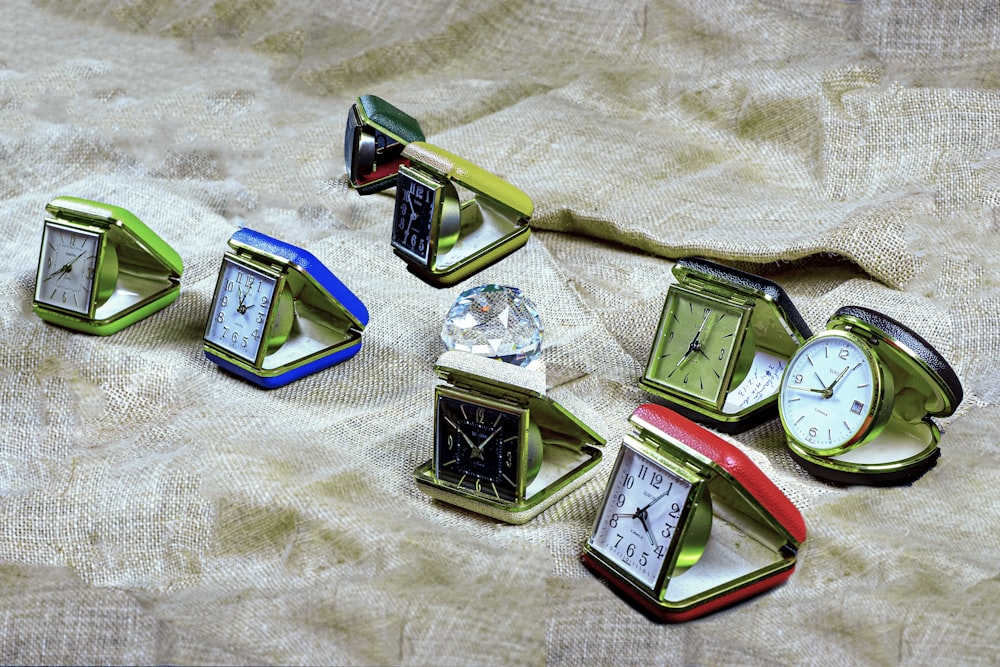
x,y
242,304
828,394
66,268
641,516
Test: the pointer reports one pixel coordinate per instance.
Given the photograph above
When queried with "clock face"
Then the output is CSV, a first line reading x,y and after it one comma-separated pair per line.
x,y
413,219
828,393
66,268
641,517
477,447
694,351
241,309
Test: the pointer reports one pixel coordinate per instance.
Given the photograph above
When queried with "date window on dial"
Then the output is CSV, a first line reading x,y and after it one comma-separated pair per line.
x,y
857,407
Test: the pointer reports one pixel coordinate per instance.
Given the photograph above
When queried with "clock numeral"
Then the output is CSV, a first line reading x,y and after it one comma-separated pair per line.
x,y
643,469
643,559
667,531
630,550
722,353
620,500
813,432
480,415
675,511
229,285
221,318
619,540
613,521
629,481
844,353
656,480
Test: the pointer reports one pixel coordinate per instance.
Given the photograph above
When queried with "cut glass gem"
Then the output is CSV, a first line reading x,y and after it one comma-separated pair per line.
x,y
495,321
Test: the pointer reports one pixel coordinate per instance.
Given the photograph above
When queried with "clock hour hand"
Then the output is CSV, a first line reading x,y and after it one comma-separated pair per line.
x,y
641,516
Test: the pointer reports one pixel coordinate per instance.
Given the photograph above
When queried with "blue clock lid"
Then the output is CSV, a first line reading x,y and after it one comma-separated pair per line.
x,y
306,264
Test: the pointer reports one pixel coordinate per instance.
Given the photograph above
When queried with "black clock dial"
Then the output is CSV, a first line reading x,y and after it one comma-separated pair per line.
x,y
413,218
477,447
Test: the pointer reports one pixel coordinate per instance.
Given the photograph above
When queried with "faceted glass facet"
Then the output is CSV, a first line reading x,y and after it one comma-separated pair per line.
x,y
495,321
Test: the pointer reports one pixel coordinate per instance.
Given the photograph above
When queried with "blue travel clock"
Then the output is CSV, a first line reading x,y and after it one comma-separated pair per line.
x,y
279,314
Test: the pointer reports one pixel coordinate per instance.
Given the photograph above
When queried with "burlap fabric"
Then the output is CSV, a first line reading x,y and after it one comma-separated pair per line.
x,y
156,510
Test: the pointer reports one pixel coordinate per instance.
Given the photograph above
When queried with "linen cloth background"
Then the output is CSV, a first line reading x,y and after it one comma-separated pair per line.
x,y
155,510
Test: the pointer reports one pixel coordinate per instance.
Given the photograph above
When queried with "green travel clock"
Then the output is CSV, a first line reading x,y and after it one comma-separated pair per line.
x,y
443,238
101,269
374,139
501,446
857,400
688,524
722,343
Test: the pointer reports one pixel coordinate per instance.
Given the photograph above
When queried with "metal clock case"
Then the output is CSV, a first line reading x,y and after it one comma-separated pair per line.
x,y
375,136
278,314
101,269
721,345
688,524
503,448
857,400
445,239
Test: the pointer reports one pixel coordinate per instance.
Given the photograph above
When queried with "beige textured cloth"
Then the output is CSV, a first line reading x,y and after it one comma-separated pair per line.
x,y
156,510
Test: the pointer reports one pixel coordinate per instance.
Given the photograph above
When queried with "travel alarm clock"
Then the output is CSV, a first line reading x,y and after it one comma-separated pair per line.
x,y
101,269
688,524
857,400
278,314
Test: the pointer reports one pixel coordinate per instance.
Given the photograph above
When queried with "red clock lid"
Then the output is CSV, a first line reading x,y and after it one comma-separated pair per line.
x,y
757,488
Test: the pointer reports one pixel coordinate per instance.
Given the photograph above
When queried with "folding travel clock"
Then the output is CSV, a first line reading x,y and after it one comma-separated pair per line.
x,y
445,237
279,314
501,446
722,343
101,269
374,139
688,524
857,400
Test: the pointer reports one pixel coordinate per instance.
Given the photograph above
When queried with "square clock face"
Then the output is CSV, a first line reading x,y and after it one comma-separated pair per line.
x,y
696,341
641,518
241,309
478,447
414,216
66,268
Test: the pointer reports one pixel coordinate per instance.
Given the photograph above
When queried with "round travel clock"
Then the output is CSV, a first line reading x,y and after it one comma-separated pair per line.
x,y
278,314
502,447
445,239
101,269
688,524
721,345
857,400
374,139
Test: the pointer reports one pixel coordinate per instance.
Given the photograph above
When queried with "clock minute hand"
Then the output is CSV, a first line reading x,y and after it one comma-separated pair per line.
x,y
67,267
492,435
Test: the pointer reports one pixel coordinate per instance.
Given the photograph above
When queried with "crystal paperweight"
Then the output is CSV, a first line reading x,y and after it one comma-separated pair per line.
x,y
495,321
